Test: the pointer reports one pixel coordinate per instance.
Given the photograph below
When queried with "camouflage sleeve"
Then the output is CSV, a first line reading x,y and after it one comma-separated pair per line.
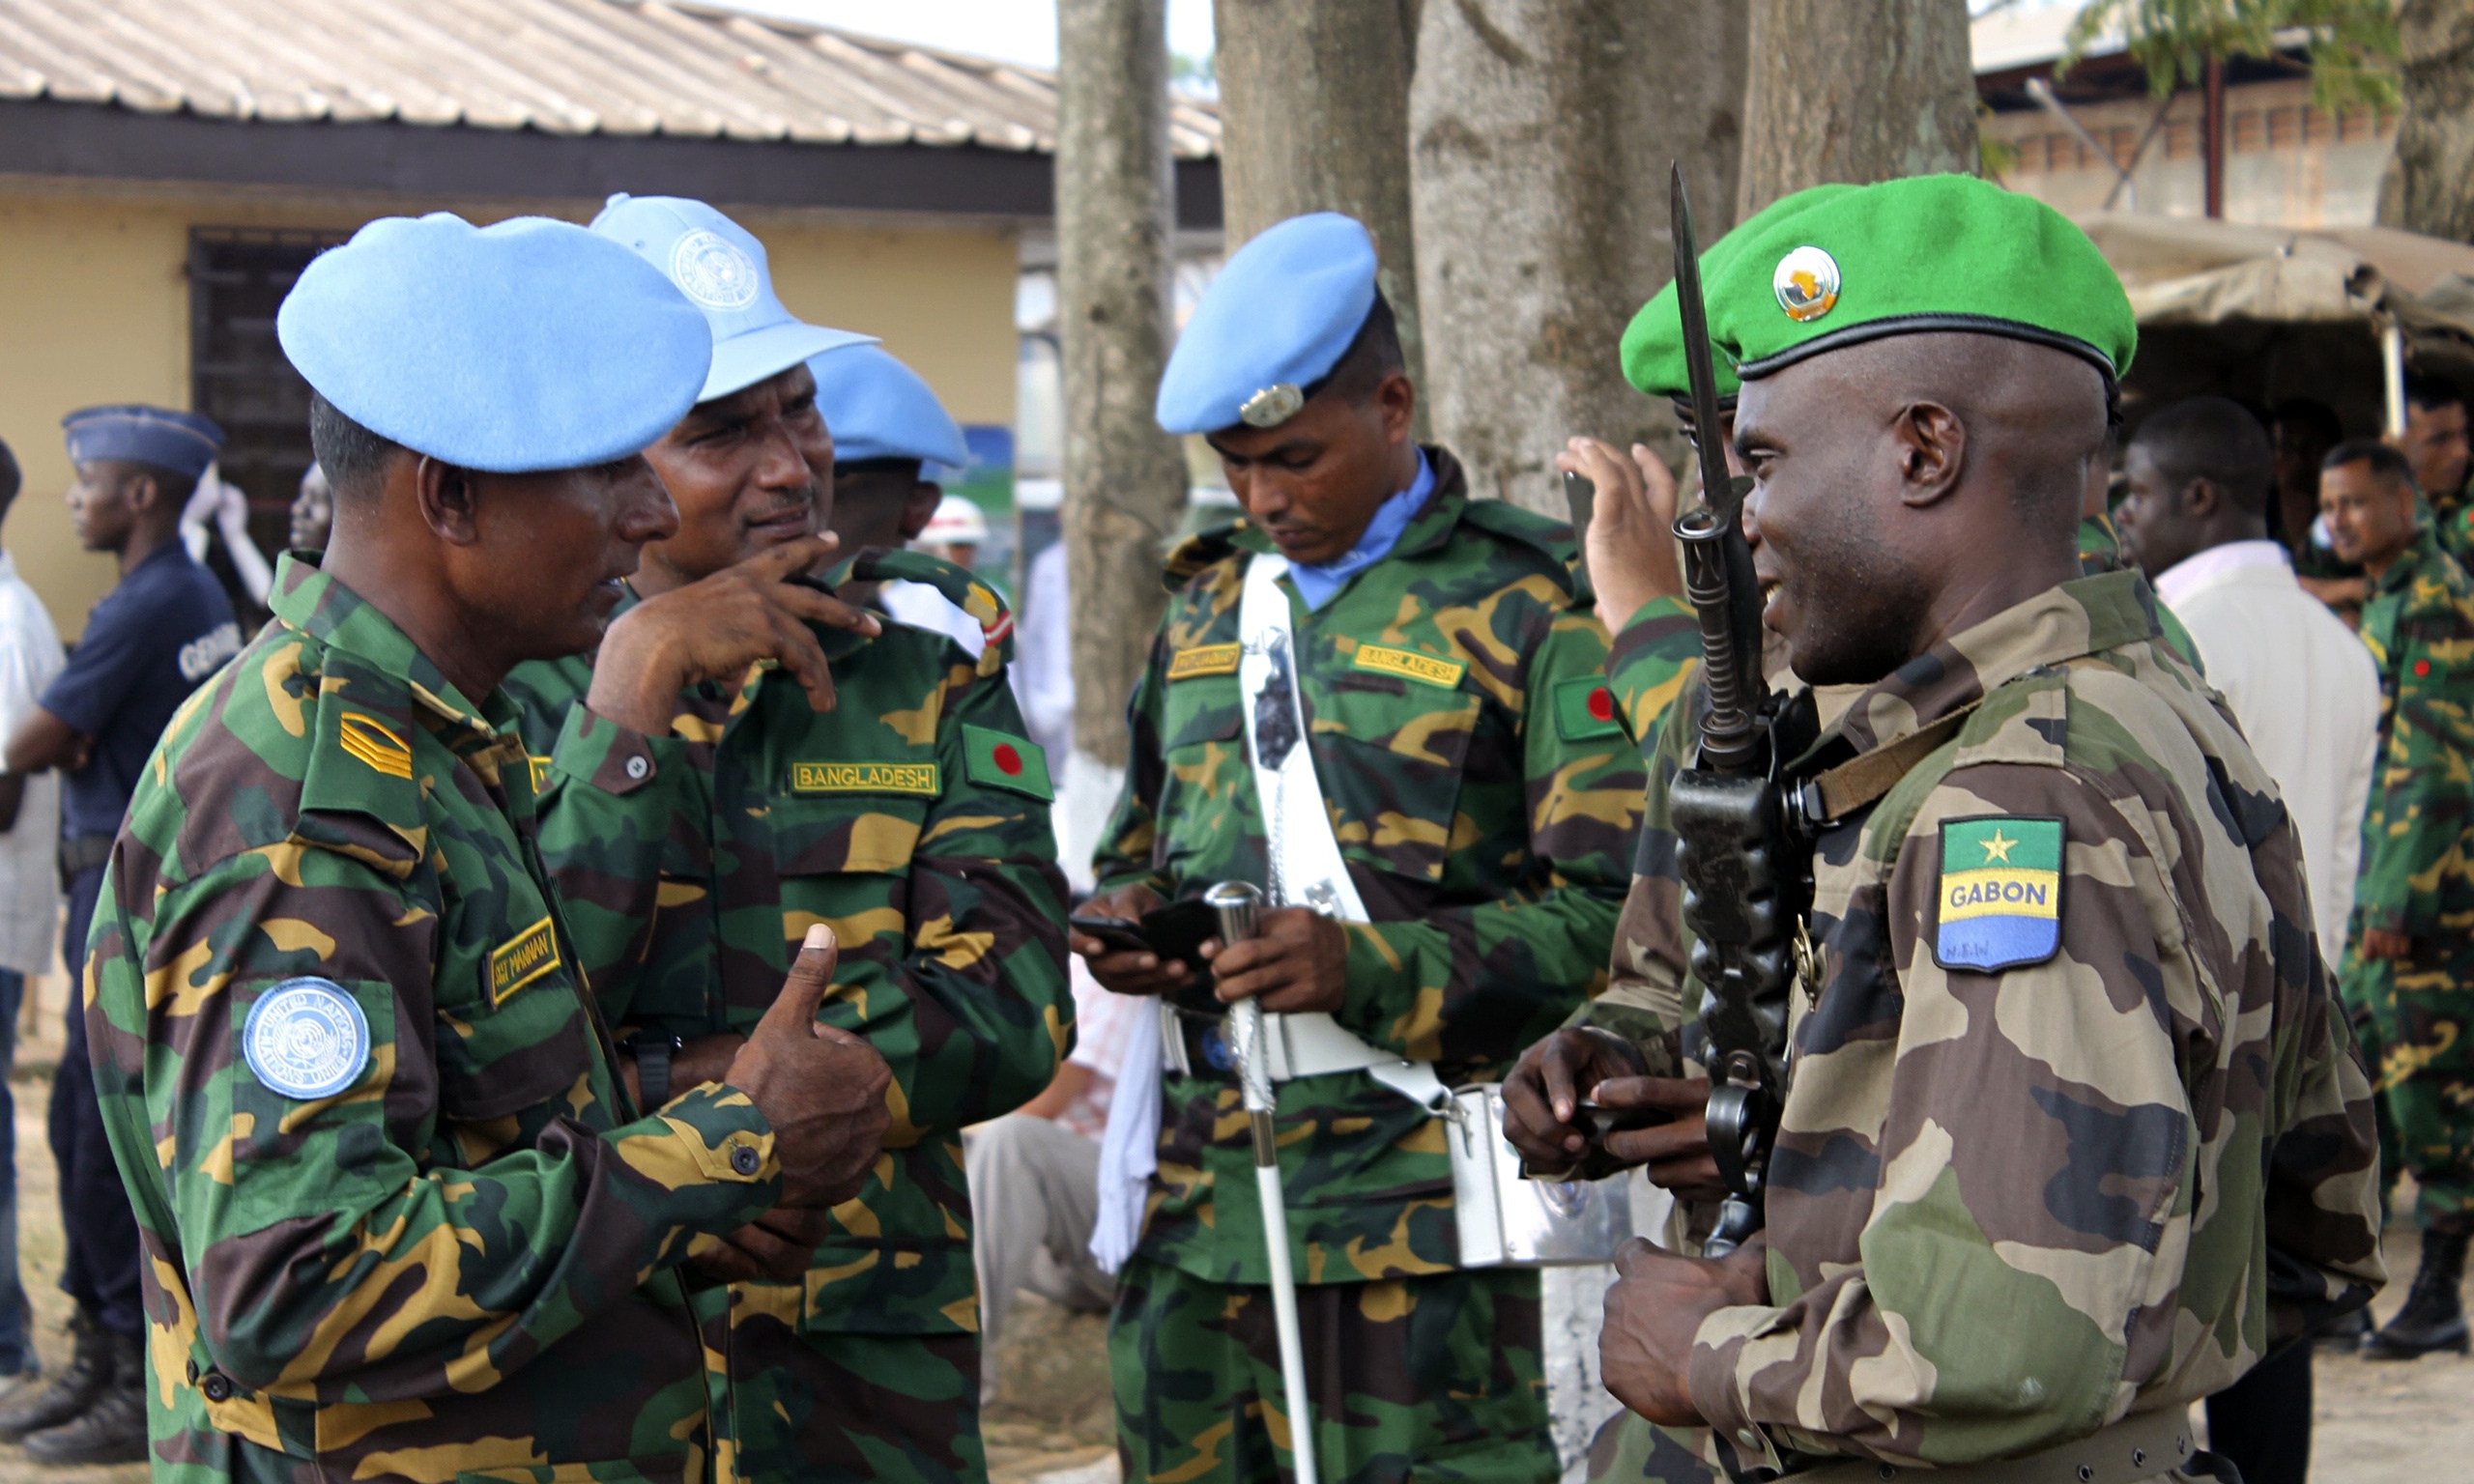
x,y
1475,984
1650,663
988,1007
1123,856
615,802
2016,1144
323,1245
2424,799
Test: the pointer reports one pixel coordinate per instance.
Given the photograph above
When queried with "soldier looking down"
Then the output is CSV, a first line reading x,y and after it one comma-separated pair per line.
x,y
2062,1059
1423,669
402,1217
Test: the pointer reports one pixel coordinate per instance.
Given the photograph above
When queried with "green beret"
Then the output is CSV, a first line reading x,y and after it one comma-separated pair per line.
x,y
1928,253
1654,342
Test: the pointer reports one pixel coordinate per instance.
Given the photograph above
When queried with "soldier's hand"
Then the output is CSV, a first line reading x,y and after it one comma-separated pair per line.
x,y
1677,1151
1549,1083
1631,540
1296,963
714,629
2380,943
776,1245
1122,970
1653,1310
821,1088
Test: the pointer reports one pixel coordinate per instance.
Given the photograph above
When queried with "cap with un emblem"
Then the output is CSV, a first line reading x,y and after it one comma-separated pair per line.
x,y
1653,348
183,442
528,345
1932,253
1275,322
721,268
877,407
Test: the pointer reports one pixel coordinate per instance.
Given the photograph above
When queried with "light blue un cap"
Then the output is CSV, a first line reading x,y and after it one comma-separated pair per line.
x,y
723,271
877,407
1276,320
528,345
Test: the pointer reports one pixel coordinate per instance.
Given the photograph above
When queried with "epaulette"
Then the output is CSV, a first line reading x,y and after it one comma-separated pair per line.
x,y
1543,533
1201,549
359,767
959,586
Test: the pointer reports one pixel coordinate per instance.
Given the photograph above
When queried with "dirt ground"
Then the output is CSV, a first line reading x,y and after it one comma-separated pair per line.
x,y
2373,1424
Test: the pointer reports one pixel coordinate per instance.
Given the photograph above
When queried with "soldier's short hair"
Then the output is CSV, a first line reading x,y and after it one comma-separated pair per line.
x,y
2214,439
2385,461
2428,391
1374,355
353,457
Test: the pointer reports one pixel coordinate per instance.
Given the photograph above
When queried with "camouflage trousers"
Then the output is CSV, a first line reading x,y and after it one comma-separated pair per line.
x,y
1434,1377
2415,1019
903,1408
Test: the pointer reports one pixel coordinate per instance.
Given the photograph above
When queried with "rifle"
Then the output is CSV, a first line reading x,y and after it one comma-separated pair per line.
x,y
1745,857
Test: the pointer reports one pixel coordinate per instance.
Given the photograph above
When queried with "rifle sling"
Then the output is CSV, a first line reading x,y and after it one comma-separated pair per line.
x,y
1862,780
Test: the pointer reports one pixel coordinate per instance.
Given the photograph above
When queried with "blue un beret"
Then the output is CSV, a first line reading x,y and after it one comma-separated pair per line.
x,y
877,407
183,442
723,269
528,345
1275,322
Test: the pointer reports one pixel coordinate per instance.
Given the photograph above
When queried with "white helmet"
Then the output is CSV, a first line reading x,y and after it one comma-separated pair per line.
x,y
956,523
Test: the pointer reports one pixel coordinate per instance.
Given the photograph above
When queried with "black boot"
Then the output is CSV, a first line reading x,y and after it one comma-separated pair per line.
x,y
70,1392
2433,1317
112,1429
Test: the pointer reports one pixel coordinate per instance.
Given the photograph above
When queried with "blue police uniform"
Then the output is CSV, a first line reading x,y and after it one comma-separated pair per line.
x,y
147,644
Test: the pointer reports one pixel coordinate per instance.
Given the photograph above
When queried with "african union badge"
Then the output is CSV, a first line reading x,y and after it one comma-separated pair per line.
x,y
2000,896
306,1038
1807,283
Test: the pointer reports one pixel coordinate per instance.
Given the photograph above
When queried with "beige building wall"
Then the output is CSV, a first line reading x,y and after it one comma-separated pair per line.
x,y
94,307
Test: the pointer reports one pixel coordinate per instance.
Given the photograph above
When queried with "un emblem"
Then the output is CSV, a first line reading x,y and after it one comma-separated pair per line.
x,y
712,269
306,1038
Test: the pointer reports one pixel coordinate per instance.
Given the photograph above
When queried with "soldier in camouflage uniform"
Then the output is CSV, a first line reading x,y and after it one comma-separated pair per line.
x,y
1481,790
2409,970
912,818
402,1218
2439,452
2064,1059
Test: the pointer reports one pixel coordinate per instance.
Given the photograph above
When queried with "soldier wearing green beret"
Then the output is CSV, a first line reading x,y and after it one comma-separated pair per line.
x,y
2063,1053
704,806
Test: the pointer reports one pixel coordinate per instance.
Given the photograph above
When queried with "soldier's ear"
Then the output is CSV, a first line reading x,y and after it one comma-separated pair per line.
x,y
2202,498
1932,452
448,498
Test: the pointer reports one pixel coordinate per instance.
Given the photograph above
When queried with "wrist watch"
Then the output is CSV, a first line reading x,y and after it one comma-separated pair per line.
x,y
654,1055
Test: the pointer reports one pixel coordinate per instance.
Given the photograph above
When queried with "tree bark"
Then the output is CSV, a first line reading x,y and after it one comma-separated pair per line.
x,y
1855,93
1125,480
1315,117
2429,184
1541,133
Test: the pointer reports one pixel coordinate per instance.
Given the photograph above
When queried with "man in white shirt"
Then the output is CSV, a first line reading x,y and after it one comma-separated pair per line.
x,y
30,655
2306,695
1035,1174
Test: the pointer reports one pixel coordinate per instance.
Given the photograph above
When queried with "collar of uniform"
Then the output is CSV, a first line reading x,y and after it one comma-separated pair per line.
x,y
2418,555
1427,530
2075,619
307,599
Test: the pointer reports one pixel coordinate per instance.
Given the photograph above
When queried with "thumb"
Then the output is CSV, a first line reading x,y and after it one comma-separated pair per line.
x,y
811,976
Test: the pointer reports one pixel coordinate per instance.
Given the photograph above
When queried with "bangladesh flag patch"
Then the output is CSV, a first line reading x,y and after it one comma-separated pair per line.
x,y
997,760
1584,709
2000,896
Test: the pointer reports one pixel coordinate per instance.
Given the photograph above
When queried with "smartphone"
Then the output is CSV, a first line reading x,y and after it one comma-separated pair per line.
x,y
1176,932
1122,934
1581,494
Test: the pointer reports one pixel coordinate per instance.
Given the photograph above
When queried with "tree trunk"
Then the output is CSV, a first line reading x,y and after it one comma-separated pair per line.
x,y
1125,480
1315,117
1857,93
1540,134
2430,185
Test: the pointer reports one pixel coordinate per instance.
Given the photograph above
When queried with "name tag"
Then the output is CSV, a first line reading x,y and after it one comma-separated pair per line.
x,y
1410,664
521,959
919,777
1205,660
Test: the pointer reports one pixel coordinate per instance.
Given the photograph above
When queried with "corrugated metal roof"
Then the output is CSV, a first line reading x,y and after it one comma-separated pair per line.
x,y
563,66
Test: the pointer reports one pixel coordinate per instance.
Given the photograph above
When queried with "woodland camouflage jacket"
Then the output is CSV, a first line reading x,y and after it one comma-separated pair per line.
x,y
2419,621
2009,1207
1483,789
911,819
465,1259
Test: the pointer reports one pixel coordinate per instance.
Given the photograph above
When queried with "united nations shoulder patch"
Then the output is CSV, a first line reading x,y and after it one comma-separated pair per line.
x,y
306,1038
2000,896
